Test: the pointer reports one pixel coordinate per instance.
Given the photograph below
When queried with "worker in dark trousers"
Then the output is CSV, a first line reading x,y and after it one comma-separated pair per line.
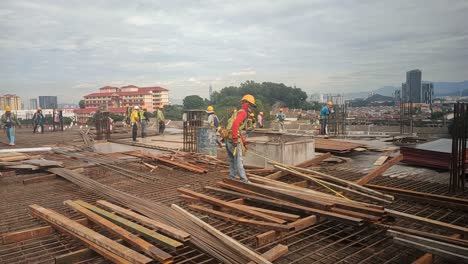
x,y
135,122
144,117
38,120
161,119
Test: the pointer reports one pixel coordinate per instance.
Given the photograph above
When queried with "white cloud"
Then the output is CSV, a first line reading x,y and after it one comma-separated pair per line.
x,y
247,72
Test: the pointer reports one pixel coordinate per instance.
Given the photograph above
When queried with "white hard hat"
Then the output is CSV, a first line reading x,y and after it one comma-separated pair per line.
x,y
136,107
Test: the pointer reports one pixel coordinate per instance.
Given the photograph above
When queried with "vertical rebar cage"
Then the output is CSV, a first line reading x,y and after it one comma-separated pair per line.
x,y
192,120
458,131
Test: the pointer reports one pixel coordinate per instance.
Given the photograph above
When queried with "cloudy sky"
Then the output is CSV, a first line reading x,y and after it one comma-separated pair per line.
x,y
72,47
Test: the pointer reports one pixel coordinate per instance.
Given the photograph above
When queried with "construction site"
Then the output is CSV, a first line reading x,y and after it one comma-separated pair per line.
x,y
89,196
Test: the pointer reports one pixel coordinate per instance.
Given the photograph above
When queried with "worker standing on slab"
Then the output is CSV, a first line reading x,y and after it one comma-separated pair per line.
x,y
38,120
9,122
144,117
281,117
128,113
235,143
161,119
134,122
251,123
213,122
260,120
324,114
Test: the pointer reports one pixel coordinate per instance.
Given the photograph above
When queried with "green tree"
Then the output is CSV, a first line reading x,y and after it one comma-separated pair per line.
x,y
81,103
194,102
173,112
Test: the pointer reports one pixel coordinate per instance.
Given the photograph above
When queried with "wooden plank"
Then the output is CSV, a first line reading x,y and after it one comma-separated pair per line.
x,y
285,216
380,170
143,231
31,233
285,205
428,258
139,243
304,223
236,219
93,239
189,198
186,166
303,184
265,238
235,245
444,200
275,253
442,225
381,160
235,207
163,228
238,201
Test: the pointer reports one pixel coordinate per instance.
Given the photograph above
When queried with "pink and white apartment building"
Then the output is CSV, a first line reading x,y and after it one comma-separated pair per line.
x,y
115,97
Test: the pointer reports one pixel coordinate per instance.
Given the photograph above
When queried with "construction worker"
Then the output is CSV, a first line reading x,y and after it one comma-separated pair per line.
x,y
135,121
213,122
235,143
9,122
144,117
161,119
38,120
281,117
251,123
260,120
324,114
128,113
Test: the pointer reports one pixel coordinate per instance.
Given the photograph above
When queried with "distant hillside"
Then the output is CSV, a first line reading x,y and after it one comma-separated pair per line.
x,y
379,98
387,90
450,88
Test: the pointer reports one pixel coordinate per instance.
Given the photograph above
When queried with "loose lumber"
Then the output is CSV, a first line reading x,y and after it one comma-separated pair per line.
x,y
451,252
141,230
380,170
449,201
304,223
38,179
281,215
305,164
36,232
186,166
163,228
235,207
381,160
136,241
289,206
442,225
108,248
237,219
323,176
275,253
235,245
428,258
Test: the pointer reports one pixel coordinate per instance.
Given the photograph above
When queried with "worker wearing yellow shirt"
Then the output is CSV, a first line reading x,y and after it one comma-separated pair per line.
x,y
135,121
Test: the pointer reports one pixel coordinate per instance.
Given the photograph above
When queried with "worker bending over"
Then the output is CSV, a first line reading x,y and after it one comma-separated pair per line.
x,y
144,117
324,114
9,122
161,120
235,143
134,122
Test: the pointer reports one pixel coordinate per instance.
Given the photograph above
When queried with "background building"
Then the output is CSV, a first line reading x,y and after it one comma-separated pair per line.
x,y
48,102
413,86
427,91
132,95
33,103
11,100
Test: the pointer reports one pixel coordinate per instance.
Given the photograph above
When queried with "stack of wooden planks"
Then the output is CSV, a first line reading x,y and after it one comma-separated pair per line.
x,y
17,160
152,238
335,146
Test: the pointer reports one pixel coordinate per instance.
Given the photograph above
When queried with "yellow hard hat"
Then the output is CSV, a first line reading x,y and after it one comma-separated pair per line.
x,y
127,105
330,103
144,107
210,109
7,108
252,114
161,107
261,113
249,98
39,108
